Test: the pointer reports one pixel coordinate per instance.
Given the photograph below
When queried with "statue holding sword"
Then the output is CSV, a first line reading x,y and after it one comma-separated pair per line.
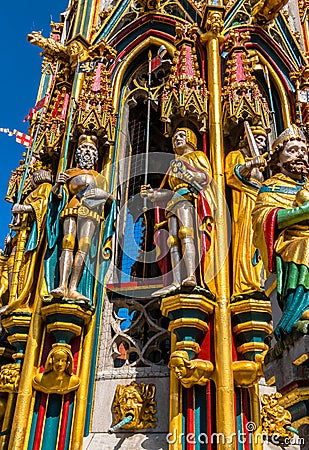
x,y
244,174
185,211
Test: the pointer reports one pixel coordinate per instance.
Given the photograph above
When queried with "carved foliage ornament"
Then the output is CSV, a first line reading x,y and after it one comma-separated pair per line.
x,y
275,419
150,5
9,377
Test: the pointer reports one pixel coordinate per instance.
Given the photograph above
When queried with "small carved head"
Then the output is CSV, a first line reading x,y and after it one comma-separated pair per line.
x,y
86,154
180,364
182,138
60,359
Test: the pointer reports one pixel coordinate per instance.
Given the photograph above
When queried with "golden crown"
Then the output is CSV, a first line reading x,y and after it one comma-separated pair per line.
x,y
88,139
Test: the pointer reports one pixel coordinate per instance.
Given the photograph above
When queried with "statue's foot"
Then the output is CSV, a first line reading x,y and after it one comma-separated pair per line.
x,y
166,290
75,295
58,292
305,315
190,281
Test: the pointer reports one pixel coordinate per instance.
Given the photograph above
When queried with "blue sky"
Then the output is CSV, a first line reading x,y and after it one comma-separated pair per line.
x,y
19,80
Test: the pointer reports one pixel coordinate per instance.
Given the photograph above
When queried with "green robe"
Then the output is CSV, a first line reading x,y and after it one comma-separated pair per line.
x,y
284,251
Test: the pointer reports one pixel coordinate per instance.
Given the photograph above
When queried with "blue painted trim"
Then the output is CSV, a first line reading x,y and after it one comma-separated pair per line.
x,y
79,20
94,359
239,421
52,420
296,53
87,17
232,13
280,189
113,20
34,420
69,424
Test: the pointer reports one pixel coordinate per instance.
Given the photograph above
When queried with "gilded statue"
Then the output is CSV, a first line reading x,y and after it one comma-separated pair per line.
x,y
58,377
243,172
82,194
31,213
49,45
190,372
137,400
183,197
36,203
264,11
77,50
281,230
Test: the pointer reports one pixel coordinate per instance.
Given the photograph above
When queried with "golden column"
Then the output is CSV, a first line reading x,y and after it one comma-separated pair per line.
x,y
213,24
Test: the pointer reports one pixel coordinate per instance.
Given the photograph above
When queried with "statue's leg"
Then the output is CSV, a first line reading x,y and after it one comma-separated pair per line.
x,y
186,216
86,228
66,259
173,243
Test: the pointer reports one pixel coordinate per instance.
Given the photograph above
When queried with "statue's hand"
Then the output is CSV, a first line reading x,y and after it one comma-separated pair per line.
x,y
258,162
147,192
305,208
18,208
97,193
62,178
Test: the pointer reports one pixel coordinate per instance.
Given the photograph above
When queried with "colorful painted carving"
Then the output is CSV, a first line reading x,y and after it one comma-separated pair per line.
x,y
30,213
82,193
280,227
190,372
243,171
184,186
137,400
58,377
231,62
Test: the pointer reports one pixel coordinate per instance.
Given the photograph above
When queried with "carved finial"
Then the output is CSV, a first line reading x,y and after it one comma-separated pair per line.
x,y
185,92
242,96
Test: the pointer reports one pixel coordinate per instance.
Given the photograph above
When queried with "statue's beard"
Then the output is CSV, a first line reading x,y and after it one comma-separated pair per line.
x,y
86,162
297,166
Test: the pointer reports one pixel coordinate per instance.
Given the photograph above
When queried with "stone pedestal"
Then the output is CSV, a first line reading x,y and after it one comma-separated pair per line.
x,y
188,314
